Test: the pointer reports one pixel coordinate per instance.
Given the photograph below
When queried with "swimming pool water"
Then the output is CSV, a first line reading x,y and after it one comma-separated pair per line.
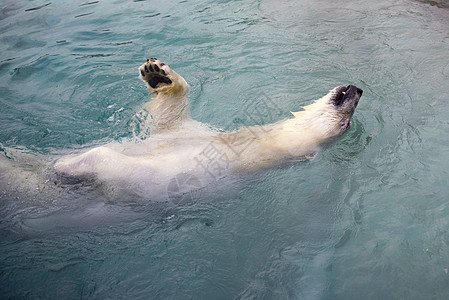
x,y
368,218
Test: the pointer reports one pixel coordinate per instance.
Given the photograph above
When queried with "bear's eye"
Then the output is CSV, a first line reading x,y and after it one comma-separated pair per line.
x,y
340,95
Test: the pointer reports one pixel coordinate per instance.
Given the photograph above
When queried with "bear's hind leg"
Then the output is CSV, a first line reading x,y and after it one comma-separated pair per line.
x,y
169,106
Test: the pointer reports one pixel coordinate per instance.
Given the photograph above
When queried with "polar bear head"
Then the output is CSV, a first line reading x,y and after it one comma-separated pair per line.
x,y
345,100
330,115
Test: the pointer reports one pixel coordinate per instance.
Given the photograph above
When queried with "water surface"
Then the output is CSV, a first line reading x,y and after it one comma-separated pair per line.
x,y
368,218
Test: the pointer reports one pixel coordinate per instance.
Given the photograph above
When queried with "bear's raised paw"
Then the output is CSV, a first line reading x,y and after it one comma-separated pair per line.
x,y
155,73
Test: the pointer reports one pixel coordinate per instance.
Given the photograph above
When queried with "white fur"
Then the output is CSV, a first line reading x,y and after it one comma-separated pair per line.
x,y
177,142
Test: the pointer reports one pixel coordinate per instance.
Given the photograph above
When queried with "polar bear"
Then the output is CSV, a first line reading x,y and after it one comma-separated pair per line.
x,y
179,145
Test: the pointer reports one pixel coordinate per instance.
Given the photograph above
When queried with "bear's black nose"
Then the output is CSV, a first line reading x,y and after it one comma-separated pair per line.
x,y
359,91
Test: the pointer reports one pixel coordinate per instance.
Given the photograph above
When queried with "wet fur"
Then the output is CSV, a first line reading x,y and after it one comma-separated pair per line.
x,y
177,141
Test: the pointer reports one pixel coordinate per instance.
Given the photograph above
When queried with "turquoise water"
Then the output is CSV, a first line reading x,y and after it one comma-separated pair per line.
x,y
367,219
